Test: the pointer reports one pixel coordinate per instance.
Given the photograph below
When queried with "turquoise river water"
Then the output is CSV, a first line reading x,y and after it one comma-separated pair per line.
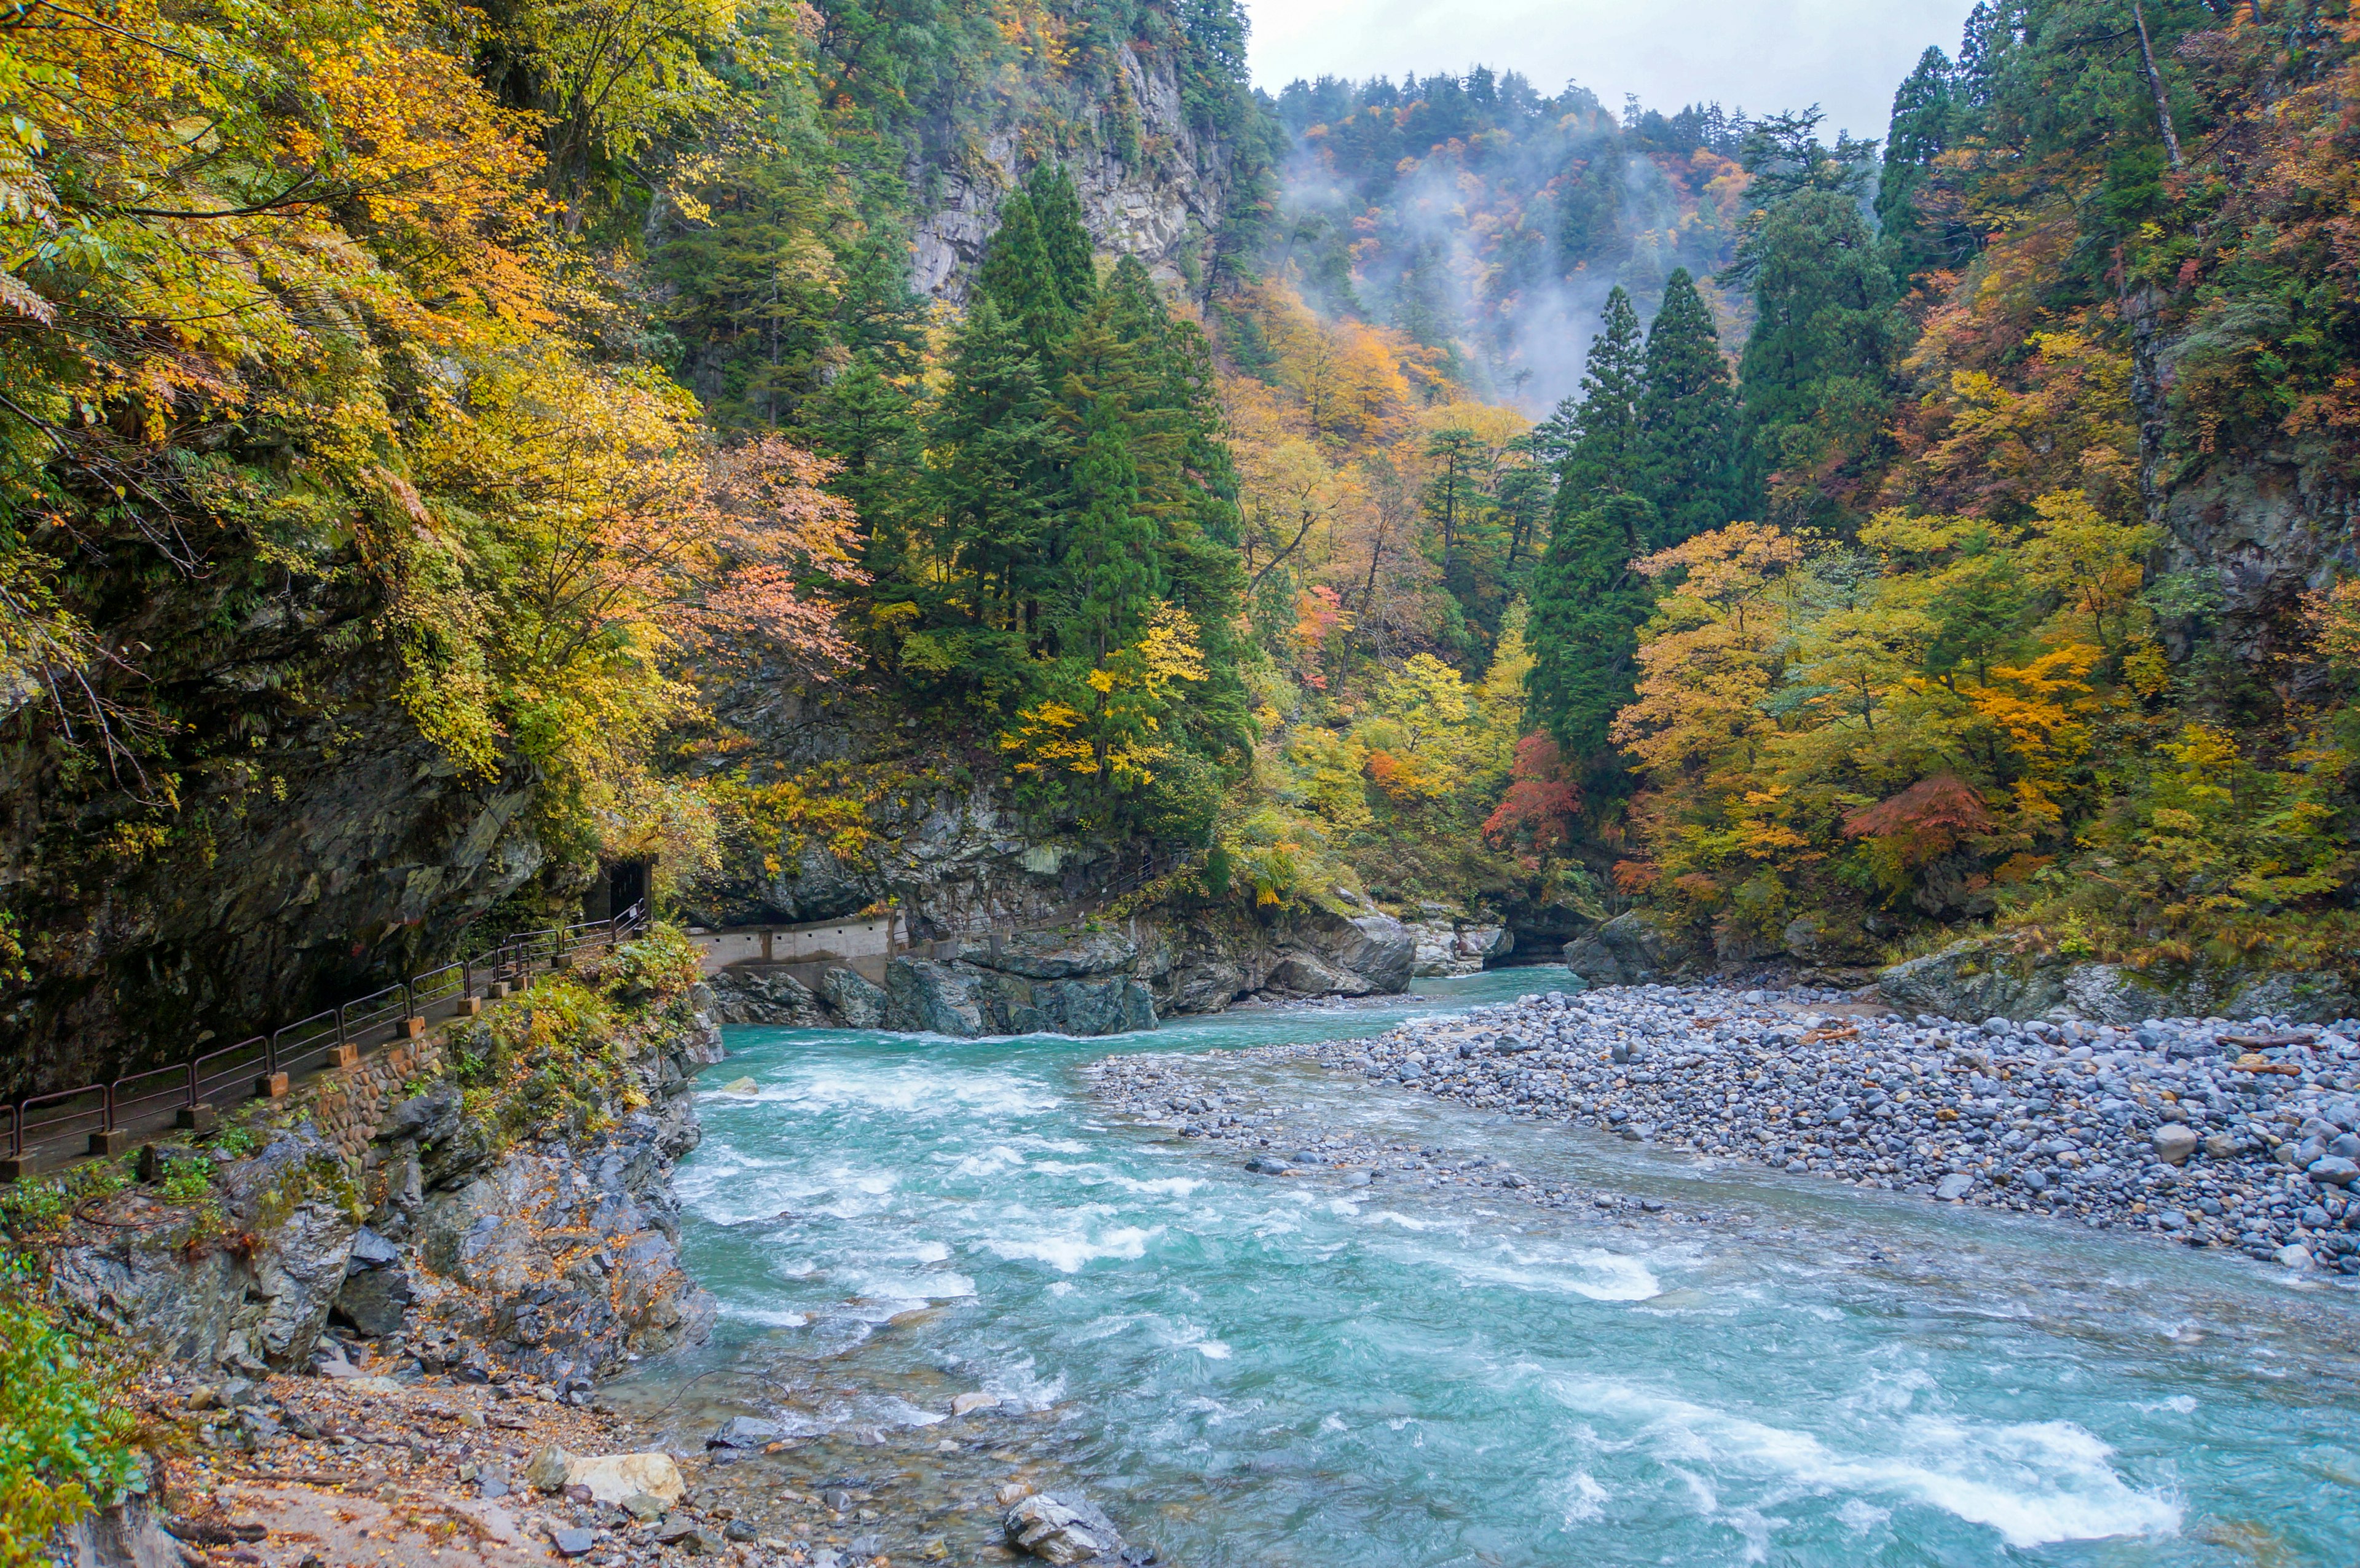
x,y
1250,1371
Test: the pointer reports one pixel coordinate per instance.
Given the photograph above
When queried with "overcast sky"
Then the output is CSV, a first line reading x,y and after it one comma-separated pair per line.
x,y
1846,55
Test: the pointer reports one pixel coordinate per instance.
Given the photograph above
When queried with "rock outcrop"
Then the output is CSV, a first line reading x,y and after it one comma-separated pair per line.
x,y
1033,982
1162,201
1446,946
424,1221
2014,977
1629,949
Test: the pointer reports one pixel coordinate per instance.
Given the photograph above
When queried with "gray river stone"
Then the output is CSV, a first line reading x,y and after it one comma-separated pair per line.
x,y
1062,1528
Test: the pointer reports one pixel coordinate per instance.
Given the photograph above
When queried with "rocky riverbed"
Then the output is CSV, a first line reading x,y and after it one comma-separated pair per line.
x,y
2203,1131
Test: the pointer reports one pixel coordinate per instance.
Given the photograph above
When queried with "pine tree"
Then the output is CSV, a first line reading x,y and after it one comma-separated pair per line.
x,y
1605,456
1018,276
1688,419
1056,212
1587,607
1817,364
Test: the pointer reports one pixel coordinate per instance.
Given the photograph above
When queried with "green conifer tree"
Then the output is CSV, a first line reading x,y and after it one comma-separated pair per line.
x,y
1923,109
996,484
1587,607
1816,365
1056,211
1018,276
1605,457
1688,419
1107,561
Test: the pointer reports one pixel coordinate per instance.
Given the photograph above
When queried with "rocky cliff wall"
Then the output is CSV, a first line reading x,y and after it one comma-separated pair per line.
x,y
315,844
1162,200
496,1195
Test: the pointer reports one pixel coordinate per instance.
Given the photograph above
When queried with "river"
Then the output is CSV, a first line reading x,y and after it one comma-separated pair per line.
x,y
1245,1370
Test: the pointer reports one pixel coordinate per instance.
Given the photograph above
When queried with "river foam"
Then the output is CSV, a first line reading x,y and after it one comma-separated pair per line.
x,y
1422,1369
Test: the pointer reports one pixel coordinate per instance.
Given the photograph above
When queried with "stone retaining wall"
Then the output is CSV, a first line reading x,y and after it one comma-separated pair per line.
x,y
350,1103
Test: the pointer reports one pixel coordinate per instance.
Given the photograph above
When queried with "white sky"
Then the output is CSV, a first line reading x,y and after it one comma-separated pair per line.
x,y
1846,55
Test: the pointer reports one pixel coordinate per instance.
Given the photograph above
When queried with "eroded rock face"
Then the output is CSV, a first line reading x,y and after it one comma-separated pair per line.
x,y
1161,206
557,1258
1040,983
262,1307
1983,977
858,1004
768,997
1211,958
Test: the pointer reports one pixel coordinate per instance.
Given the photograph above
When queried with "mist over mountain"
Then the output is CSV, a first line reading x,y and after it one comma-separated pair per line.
x,y
1489,221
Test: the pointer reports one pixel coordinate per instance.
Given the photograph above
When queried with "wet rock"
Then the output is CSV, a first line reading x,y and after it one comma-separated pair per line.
x,y
859,1003
745,1431
1062,1528
966,1404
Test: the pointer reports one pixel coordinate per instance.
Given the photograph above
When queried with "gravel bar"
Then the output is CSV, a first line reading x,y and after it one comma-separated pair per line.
x,y
2205,1131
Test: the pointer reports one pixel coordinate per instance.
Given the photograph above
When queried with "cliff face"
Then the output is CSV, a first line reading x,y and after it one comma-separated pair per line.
x,y
289,839
468,1219
1159,189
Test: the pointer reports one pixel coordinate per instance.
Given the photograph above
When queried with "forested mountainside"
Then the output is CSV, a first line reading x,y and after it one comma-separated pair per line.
x,y
1488,221
403,406
448,449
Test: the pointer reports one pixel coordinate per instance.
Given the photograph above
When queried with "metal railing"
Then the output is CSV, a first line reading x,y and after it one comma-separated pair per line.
x,y
156,1096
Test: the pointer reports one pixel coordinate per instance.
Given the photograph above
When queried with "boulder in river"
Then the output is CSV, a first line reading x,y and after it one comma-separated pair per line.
x,y
1063,1529
859,1003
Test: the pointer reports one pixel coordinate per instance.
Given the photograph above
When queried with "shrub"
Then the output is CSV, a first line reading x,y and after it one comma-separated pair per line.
x,y
64,1450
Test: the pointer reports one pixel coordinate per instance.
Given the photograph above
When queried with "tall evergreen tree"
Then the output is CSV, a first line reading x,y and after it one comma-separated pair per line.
x,y
1018,276
1605,455
996,485
1056,212
1587,607
1817,364
1922,112
1688,419
1107,564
